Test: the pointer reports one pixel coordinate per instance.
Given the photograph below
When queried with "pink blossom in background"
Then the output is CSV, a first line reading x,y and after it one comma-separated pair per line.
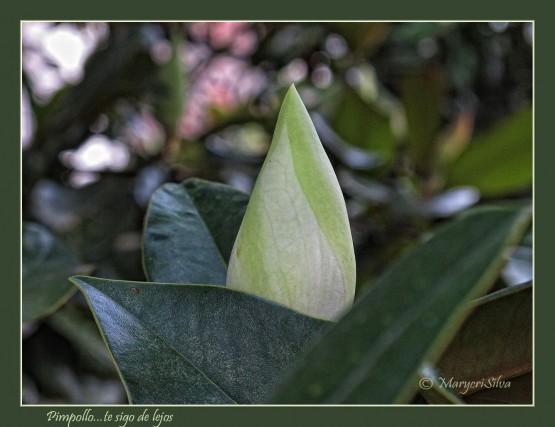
x,y
238,37
226,82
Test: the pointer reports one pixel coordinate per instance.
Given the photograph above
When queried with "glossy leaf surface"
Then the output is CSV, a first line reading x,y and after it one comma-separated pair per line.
x,y
178,344
373,354
189,232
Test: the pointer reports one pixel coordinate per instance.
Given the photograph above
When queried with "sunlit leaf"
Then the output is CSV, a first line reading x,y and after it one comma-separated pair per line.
x,y
498,162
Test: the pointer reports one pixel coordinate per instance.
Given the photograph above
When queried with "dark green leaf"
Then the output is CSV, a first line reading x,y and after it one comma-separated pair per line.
x,y
189,232
372,355
193,343
222,208
500,161
422,97
496,340
47,264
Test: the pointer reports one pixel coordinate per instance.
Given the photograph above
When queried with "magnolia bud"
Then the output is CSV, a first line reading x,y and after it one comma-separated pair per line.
x,y
294,246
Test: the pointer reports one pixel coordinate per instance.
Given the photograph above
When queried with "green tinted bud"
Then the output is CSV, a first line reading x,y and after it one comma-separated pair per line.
x,y
294,246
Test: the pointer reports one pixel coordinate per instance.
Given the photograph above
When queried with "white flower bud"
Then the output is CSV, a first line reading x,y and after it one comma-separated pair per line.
x,y
294,246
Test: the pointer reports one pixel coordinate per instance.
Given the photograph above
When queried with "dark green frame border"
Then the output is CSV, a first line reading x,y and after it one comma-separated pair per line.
x,y
12,13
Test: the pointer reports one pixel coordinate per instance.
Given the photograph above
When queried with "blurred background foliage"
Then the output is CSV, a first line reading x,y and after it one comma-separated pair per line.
x,y
421,121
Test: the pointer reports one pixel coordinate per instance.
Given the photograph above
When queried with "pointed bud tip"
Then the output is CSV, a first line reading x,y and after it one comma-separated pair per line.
x,y
303,260
292,95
